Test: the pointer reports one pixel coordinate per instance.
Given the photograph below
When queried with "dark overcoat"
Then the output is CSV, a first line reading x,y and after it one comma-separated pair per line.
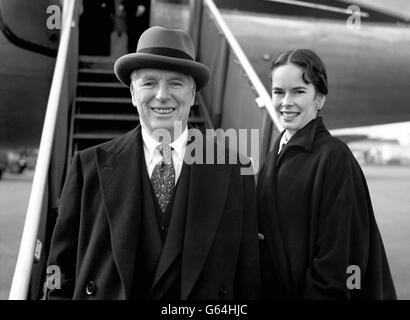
x,y
320,237
97,231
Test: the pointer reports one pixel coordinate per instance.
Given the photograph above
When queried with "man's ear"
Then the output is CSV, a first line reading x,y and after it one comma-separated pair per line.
x,y
193,92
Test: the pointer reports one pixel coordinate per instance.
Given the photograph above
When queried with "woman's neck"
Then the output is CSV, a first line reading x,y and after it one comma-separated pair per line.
x,y
288,134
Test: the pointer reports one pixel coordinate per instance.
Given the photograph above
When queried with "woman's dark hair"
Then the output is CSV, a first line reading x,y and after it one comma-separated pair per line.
x,y
314,69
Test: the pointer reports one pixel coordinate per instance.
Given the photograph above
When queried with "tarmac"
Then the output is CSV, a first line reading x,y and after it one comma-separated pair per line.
x,y
14,196
388,187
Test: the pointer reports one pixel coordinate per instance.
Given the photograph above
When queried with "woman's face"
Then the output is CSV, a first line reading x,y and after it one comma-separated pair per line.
x,y
296,102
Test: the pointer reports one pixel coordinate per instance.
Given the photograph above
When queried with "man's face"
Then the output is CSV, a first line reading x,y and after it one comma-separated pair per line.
x,y
162,97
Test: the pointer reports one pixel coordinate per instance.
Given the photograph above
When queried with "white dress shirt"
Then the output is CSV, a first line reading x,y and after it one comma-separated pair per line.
x,y
152,155
284,140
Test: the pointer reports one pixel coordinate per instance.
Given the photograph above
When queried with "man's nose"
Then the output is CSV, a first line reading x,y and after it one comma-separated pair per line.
x,y
162,92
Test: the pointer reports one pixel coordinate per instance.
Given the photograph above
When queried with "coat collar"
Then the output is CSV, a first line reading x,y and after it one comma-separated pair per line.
x,y
119,168
303,138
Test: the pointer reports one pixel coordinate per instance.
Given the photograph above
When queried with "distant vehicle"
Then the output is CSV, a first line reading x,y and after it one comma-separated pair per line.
x,y
30,156
16,162
12,161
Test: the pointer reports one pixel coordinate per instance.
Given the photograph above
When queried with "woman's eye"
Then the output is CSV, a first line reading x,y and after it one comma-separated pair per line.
x,y
299,91
277,92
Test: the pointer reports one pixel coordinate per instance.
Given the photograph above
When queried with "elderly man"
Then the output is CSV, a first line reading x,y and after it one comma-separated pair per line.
x,y
137,221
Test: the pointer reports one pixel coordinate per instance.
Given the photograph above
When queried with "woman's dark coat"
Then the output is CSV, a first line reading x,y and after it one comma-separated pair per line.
x,y
316,220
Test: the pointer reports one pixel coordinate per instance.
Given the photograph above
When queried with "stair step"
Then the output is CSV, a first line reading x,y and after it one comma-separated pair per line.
x,y
96,75
101,89
85,58
96,71
123,117
112,117
96,62
92,105
115,100
102,85
97,135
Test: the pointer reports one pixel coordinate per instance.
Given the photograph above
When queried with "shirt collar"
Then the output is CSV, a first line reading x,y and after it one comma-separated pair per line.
x,y
150,144
179,145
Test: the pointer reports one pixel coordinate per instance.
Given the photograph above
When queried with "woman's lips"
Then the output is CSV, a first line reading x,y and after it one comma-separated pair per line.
x,y
289,115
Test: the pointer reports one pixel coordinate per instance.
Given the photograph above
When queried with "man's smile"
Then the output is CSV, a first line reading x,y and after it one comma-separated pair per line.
x,y
163,110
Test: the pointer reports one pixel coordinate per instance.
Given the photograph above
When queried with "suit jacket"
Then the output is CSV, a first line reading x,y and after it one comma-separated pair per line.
x,y
317,220
96,235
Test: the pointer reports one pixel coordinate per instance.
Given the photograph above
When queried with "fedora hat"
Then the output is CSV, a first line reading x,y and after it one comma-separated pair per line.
x,y
160,48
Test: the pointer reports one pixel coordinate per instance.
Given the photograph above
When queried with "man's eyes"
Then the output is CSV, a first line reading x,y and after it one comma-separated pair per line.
x,y
147,83
153,83
176,83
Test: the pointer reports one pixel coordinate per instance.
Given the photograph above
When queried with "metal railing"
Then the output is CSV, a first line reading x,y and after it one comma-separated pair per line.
x,y
60,96
235,96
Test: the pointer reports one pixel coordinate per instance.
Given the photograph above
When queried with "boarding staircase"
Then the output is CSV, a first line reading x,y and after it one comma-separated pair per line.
x,y
102,109
87,105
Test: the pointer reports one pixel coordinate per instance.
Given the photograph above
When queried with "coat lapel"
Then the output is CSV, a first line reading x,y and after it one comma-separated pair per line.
x,y
269,219
120,178
174,240
303,138
207,193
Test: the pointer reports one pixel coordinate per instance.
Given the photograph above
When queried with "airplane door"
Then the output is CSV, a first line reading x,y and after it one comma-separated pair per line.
x,y
96,24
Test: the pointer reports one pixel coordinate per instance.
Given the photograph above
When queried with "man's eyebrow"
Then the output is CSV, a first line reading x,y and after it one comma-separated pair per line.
x,y
147,77
176,77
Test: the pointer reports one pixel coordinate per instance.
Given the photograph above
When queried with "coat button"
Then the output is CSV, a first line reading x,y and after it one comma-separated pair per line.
x,y
222,291
261,236
91,288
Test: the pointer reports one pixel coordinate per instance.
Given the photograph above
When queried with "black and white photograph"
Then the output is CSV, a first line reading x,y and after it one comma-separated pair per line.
x,y
210,156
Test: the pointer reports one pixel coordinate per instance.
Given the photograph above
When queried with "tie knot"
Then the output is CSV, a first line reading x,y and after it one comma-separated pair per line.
x,y
165,151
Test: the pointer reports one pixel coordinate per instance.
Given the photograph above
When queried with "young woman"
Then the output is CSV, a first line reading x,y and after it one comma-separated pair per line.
x,y
319,236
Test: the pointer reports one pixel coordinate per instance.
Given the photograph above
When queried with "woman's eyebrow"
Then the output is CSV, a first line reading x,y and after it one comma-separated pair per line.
x,y
299,87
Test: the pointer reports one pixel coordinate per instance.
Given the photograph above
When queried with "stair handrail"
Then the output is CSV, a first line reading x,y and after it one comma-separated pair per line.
x,y
264,99
22,273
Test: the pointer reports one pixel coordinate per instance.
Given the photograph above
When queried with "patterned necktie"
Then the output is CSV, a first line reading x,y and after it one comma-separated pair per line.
x,y
163,177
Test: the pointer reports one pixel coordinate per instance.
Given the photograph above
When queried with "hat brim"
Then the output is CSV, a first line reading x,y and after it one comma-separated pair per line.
x,y
126,64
